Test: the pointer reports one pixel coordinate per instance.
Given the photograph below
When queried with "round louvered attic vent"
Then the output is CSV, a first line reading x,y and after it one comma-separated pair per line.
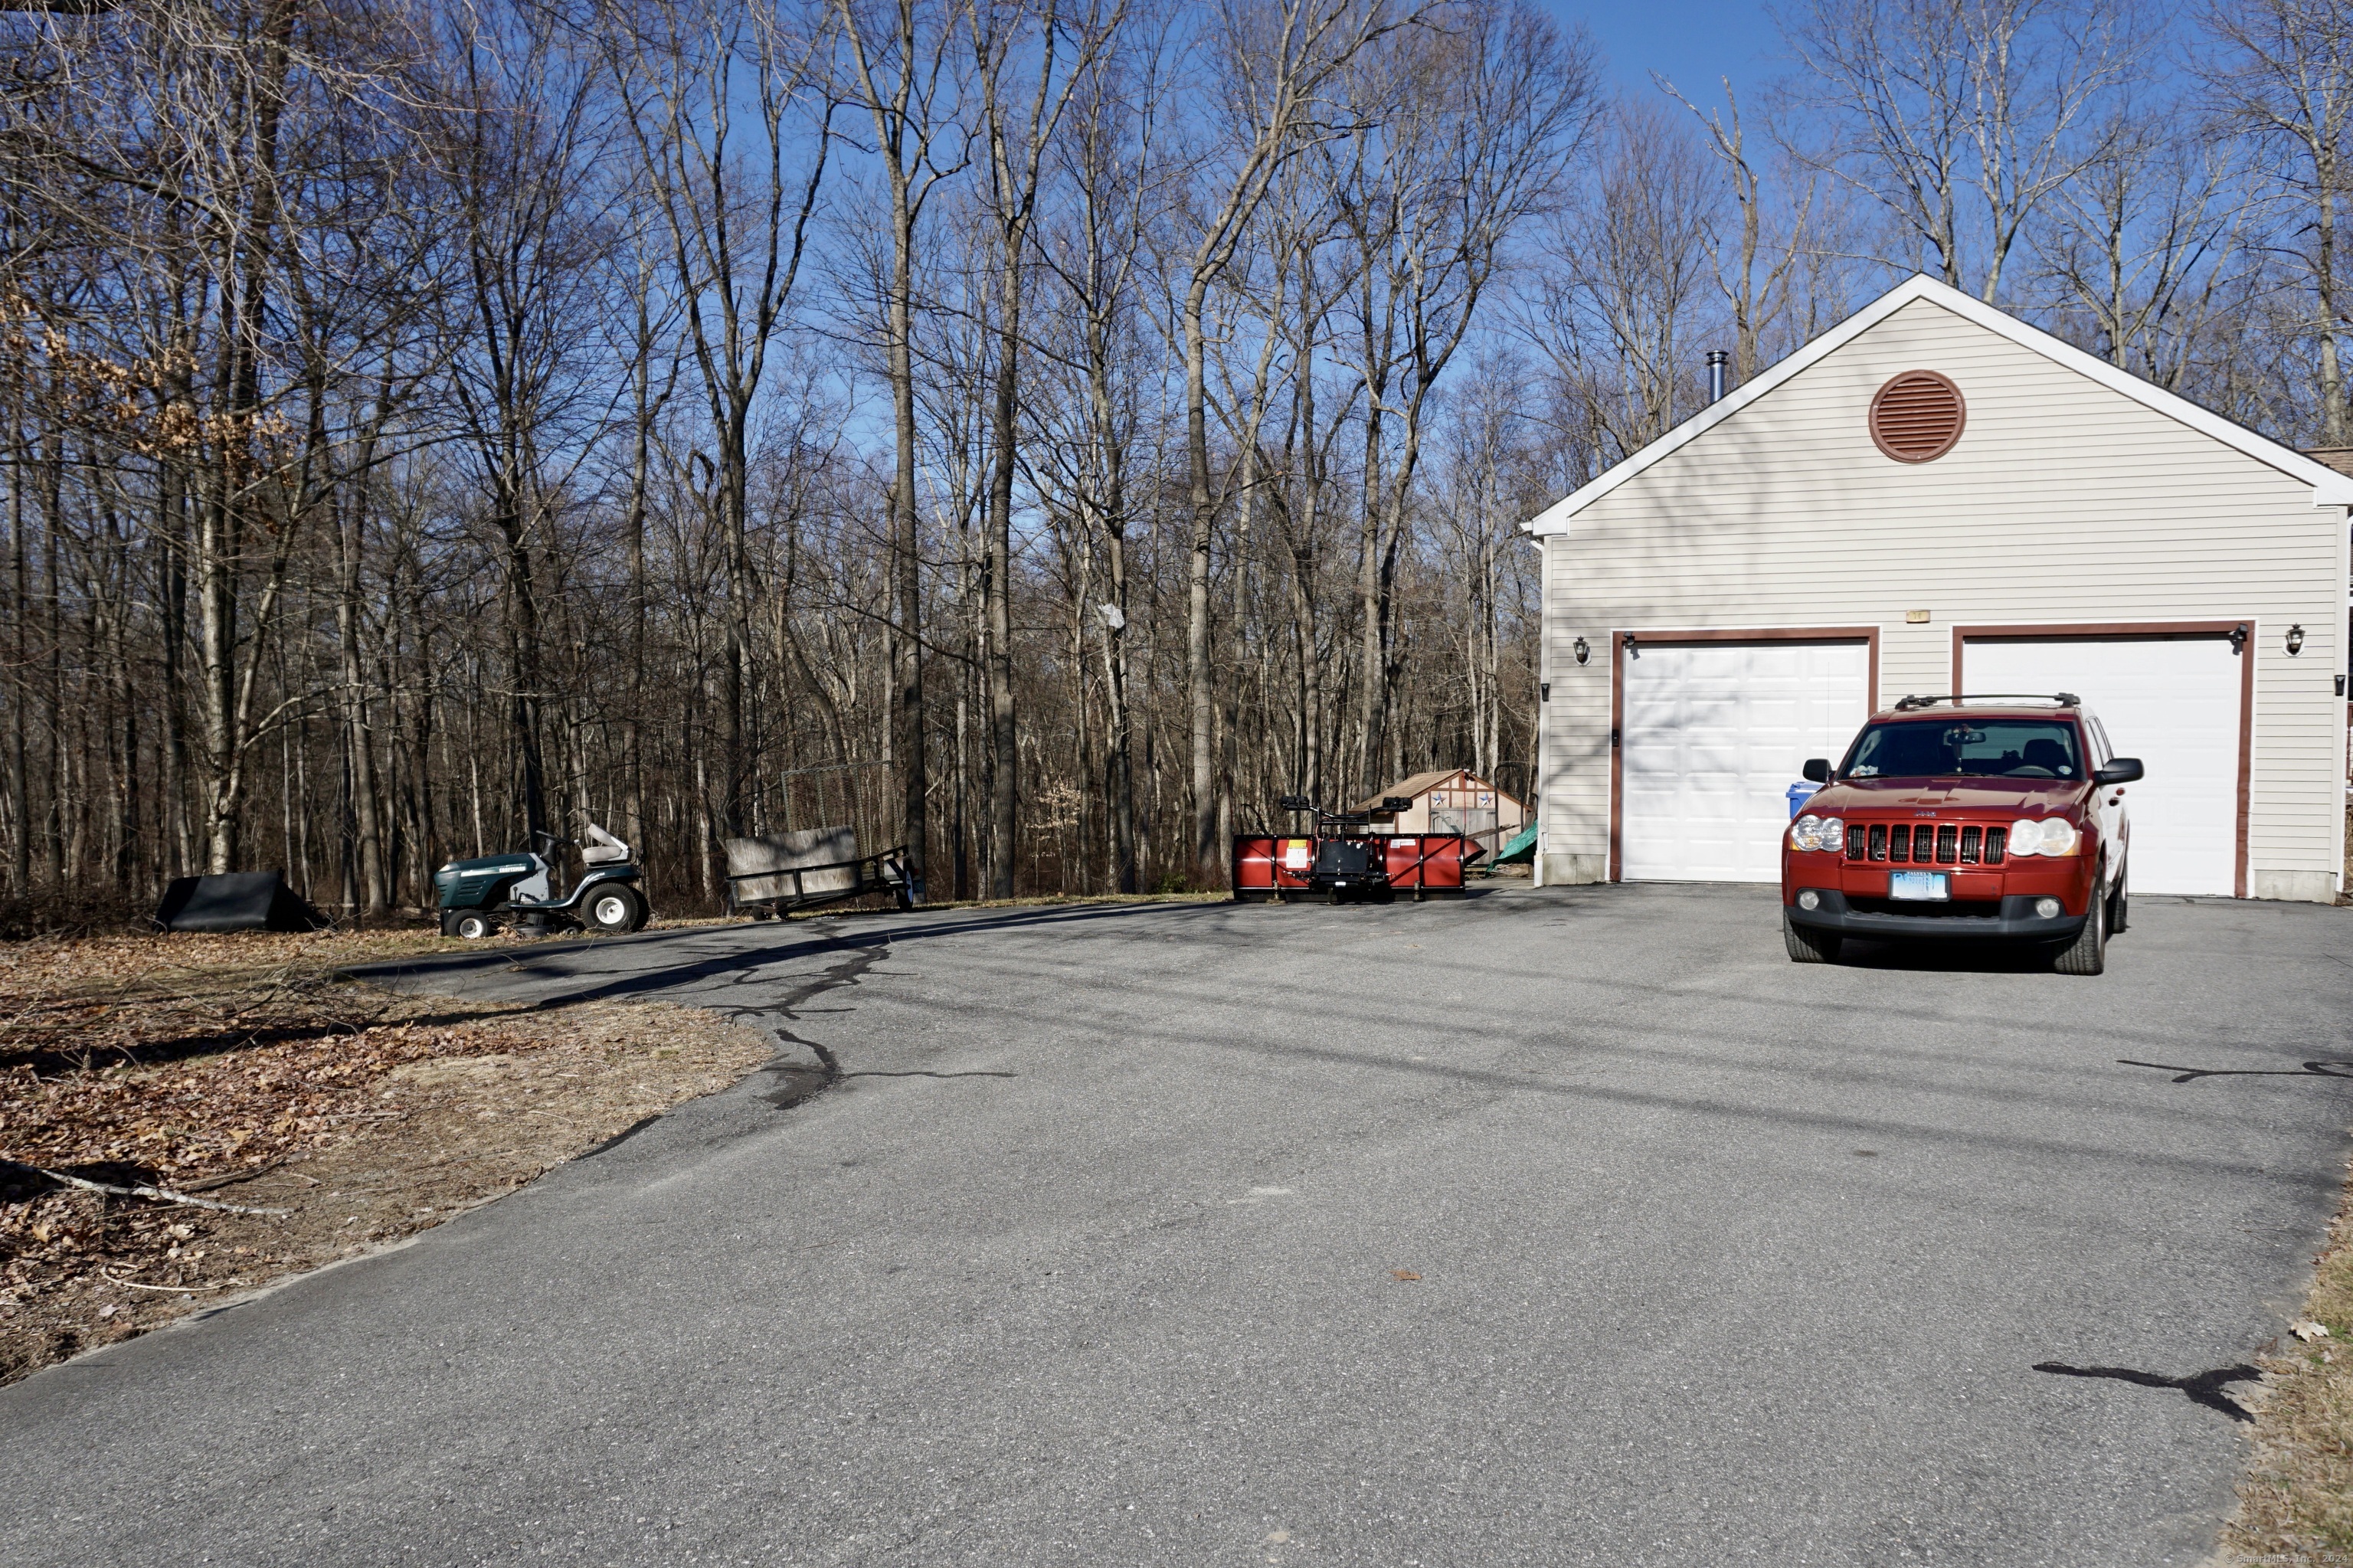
x,y
1917,416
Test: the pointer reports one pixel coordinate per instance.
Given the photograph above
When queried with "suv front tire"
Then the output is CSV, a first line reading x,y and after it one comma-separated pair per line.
x,y
1810,946
2088,953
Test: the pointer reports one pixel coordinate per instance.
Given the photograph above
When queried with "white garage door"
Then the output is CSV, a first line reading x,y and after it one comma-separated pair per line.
x,y
2174,704
1713,734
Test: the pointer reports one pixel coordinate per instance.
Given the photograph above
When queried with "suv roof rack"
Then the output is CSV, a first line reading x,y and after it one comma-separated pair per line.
x,y
2064,699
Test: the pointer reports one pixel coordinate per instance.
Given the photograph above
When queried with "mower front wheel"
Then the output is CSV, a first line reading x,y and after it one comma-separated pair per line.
x,y
614,910
470,924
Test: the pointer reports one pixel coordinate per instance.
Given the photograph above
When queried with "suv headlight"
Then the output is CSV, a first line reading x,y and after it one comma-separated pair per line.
x,y
1812,832
2044,835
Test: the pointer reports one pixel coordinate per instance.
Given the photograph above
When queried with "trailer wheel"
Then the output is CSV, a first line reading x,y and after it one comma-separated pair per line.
x,y
613,909
473,925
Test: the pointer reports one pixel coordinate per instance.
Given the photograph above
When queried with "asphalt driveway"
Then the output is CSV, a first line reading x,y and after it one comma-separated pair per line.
x,y
1101,1250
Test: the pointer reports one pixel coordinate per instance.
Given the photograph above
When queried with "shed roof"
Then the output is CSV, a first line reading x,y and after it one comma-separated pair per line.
x,y
1421,784
2331,486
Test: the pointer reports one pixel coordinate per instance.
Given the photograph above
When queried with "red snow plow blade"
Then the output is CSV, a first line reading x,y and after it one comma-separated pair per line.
x,y
1334,866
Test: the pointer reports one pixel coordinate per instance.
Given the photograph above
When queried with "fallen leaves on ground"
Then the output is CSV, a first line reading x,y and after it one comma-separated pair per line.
x,y
245,1069
2295,1504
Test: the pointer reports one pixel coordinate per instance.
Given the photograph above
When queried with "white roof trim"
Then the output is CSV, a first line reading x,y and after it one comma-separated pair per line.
x,y
2330,488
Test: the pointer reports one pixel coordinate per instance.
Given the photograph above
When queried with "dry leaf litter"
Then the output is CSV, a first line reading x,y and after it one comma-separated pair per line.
x,y
242,1069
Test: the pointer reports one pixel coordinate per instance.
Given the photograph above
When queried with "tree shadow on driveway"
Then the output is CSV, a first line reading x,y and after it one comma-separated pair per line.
x,y
652,961
2203,1388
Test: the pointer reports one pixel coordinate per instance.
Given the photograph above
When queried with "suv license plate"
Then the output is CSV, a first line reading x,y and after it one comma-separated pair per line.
x,y
1922,884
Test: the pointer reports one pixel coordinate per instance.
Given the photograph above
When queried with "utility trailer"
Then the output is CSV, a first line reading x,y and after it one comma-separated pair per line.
x,y
1343,860
769,878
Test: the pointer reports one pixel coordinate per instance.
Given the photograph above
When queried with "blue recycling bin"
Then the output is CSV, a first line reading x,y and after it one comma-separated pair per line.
x,y
1799,795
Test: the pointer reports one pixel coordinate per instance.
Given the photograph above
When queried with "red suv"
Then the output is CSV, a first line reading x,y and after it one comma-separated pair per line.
x,y
1961,818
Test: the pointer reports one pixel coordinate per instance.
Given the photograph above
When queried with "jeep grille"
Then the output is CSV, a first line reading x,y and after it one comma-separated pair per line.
x,y
1927,843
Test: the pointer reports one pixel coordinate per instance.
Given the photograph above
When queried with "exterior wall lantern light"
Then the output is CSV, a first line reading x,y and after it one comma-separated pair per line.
x,y
2296,639
1582,649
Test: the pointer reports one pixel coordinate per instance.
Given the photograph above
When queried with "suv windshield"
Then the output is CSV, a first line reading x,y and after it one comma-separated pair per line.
x,y
1946,747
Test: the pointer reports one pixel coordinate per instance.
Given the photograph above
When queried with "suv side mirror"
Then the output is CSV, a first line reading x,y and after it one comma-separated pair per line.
x,y
1817,771
2118,770
1294,803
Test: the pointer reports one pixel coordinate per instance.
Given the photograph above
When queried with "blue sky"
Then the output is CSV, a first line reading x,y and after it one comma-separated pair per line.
x,y
1693,41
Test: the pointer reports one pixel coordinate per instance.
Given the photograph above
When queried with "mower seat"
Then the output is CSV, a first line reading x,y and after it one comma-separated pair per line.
x,y
602,849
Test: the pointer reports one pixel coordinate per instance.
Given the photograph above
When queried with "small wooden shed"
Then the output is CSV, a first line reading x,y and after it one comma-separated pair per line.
x,y
1449,801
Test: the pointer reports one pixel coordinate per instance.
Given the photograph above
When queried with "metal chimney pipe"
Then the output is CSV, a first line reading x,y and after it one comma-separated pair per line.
x,y
1716,360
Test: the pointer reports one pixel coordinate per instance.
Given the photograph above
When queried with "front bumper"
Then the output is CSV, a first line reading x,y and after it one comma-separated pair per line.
x,y
2015,921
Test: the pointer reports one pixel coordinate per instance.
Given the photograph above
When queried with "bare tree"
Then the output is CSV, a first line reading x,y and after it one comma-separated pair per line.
x,y
191,152
736,207
1616,322
1017,146
1958,117
1295,241
1756,273
2150,241
532,242
900,72
1114,186
2282,75
1275,64
1484,120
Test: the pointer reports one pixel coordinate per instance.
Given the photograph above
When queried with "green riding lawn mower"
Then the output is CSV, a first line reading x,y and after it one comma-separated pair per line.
x,y
479,896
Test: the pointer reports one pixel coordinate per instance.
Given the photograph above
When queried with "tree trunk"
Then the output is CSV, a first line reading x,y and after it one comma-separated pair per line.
x,y
907,678
222,530
1208,865
734,503
215,655
20,774
1004,753
522,671
2327,323
368,829
1119,744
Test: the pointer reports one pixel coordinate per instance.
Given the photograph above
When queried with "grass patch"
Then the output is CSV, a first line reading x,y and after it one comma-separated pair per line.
x,y
2295,1504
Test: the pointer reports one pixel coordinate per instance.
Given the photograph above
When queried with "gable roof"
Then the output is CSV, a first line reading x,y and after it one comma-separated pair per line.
x,y
1414,788
1421,784
2329,487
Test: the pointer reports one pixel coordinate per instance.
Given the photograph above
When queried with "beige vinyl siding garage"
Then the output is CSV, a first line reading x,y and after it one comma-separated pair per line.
x,y
2066,501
